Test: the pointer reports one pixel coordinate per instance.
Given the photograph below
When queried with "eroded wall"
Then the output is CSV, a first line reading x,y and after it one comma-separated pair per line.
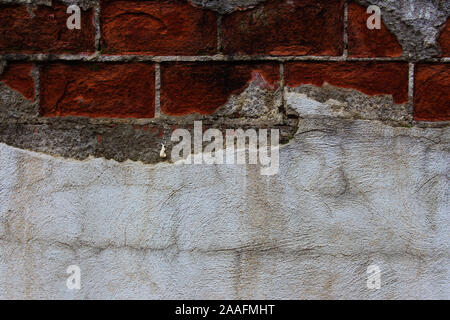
x,y
363,167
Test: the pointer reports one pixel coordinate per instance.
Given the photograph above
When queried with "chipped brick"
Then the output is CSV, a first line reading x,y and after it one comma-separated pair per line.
x,y
372,78
432,92
203,87
363,42
18,77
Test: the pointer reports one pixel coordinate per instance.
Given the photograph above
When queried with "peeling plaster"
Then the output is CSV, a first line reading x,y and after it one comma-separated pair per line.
x,y
349,193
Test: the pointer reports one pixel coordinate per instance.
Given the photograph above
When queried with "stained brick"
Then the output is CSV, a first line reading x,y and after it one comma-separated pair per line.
x,y
98,90
372,78
203,87
286,27
44,30
363,42
18,77
444,39
170,27
432,92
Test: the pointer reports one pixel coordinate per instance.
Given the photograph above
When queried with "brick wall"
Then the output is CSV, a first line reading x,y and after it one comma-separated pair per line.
x,y
146,59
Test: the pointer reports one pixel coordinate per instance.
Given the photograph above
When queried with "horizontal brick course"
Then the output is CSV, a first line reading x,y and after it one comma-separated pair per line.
x,y
286,27
44,30
372,78
203,87
98,90
161,27
363,42
432,92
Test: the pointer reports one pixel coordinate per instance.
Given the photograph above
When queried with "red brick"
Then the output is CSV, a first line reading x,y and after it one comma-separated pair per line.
x,y
44,30
18,77
432,92
363,42
98,90
372,78
286,27
203,87
169,27
444,39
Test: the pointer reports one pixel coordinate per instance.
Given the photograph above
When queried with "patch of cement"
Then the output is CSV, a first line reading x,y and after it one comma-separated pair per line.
x,y
329,101
254,103
226,6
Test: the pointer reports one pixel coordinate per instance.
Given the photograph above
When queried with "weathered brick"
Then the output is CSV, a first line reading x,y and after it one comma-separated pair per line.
x,y
372,78
203,87
432,92
444,39
18,77
44,30
165,27
98,90
286,27
363,42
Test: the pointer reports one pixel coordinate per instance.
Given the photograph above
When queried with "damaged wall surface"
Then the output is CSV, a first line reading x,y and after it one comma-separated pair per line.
x,y
363,167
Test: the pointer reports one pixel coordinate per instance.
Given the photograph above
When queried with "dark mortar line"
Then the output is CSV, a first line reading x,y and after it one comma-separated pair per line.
x,y
282,86
97,26
345,40
157,91
219,33
36,75
411,83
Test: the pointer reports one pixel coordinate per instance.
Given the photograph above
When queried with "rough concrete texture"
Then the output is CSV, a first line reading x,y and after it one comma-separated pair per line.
x,y
330,101
348,194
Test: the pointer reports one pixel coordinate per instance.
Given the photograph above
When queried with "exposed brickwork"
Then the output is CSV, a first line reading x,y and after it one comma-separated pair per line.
x,y
44,30
363,42
373,78
18,77
165,27
204,87
286,27
98,90
186,40
432,92
444,39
